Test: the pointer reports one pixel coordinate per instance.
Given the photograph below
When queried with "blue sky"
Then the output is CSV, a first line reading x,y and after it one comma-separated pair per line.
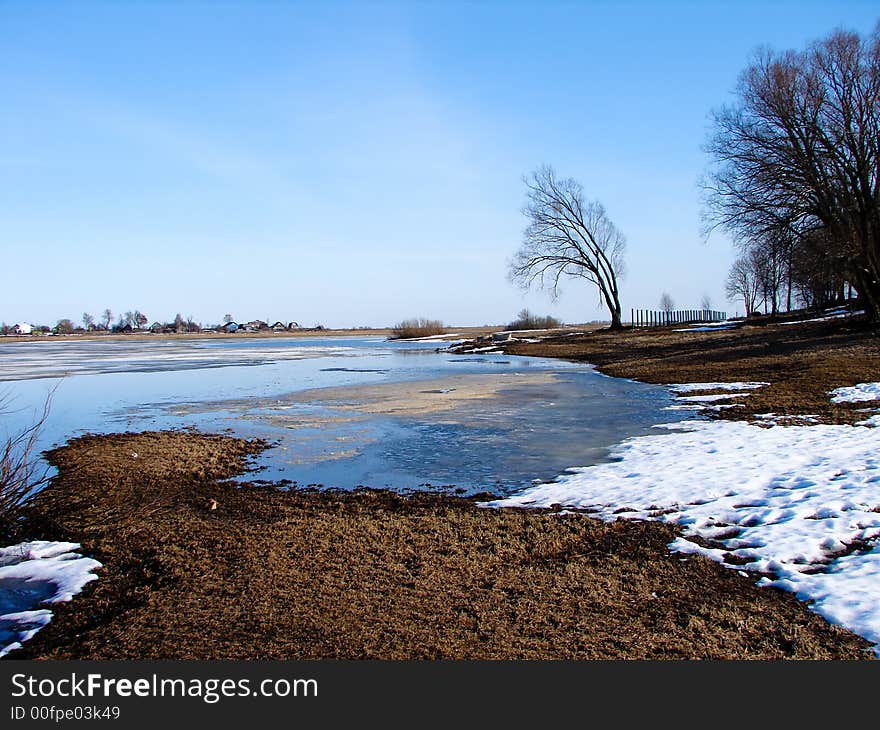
x,y
356,164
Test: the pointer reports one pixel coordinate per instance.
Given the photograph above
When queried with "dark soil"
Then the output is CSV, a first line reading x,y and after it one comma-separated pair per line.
x,y
272,574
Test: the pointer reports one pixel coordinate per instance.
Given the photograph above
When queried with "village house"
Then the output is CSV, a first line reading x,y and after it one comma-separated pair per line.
x,y
255,325
22,328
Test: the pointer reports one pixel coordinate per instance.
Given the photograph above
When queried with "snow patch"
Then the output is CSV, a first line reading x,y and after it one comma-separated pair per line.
x,y
797,503
33,574
839,315
716,327
711,398
856,393
691,387
429,337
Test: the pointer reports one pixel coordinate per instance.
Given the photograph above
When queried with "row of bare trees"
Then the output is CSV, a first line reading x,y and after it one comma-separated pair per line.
x,y
796,176
783,274
134,320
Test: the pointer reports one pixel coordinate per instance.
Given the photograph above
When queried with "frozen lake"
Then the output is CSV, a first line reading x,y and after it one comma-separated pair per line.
x,y
342,412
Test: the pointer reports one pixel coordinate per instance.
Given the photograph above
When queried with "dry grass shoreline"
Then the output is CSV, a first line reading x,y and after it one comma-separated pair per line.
x,y
271,574
802,362
371,574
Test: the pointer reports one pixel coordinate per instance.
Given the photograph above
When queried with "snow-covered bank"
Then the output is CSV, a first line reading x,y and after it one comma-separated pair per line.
x,y
33,574
801,503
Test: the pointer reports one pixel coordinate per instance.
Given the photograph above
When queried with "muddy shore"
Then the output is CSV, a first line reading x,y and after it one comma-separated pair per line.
x,y
278,574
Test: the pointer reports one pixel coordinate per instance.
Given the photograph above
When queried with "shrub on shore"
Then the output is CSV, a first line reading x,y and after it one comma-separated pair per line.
x,y
525,320
419,327
20,472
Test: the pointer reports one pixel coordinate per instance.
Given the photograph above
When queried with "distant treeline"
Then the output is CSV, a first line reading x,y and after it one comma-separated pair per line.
x,y
136,321
525,320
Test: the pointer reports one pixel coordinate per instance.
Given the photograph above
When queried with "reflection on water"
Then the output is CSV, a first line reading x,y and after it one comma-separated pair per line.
x,y
514,430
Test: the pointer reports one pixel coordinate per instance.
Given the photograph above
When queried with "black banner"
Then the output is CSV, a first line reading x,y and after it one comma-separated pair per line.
x,y
129,694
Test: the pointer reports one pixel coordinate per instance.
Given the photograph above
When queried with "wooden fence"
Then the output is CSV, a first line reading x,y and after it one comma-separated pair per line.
x,y
656,318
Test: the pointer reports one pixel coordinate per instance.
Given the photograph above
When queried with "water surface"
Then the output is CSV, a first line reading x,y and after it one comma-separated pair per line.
x,y
315,399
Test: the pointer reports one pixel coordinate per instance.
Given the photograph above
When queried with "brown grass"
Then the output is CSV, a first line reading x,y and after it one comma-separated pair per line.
x,y
802,362
274,574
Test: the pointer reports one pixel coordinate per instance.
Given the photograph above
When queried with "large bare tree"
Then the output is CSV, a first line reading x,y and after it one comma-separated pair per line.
x,y
800,152
568,237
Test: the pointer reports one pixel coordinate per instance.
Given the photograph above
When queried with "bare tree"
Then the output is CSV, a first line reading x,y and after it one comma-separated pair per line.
x,y
567,236
815,278
107,318
64,327
667,305
88,321
743,283
800,152
227,318
706,302
139,319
